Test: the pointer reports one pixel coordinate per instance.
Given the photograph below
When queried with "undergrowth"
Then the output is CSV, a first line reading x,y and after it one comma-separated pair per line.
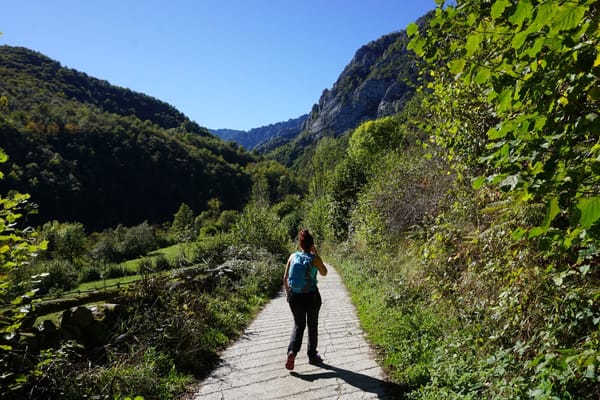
x,y
464,311
402,324
170,336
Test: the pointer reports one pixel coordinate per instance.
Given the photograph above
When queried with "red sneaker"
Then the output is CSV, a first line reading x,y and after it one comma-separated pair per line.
x,y
289,364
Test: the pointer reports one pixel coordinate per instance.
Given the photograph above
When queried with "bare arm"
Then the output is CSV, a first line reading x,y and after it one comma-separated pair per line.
x,y
286,274
318,262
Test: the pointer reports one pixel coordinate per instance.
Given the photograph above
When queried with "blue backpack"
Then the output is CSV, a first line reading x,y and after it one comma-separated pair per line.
x,y
302,277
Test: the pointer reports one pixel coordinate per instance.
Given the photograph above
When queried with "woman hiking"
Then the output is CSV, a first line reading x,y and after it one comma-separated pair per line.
x,y
300,282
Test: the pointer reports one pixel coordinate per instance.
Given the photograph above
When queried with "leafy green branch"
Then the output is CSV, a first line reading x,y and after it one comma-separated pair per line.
x,y
543,147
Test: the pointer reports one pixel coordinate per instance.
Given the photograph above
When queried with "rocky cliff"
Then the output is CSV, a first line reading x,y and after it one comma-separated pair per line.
x,y
375,83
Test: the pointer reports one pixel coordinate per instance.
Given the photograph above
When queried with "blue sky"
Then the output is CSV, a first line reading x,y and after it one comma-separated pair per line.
x,y
236,64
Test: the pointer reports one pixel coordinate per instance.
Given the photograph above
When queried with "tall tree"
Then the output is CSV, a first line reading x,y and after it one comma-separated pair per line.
x,y
182,228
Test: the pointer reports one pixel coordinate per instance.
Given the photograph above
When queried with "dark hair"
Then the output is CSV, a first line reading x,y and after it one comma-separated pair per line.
x,y
306,240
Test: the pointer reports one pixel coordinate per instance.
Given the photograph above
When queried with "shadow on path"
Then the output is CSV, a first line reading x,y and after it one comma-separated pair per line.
x,y
365,383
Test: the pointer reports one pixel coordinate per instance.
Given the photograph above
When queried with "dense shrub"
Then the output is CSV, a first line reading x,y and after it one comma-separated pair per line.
x,y
318,219
520,268
147,373
122,243
144,266
211,250
292,222
90,274
161,263
227,219
65,240
406,190
172,330
182,229
290,211
55,276
348,178
261,228
208,230
114,271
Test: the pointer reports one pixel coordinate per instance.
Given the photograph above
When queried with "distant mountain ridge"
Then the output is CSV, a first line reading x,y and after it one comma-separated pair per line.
x,y
260,136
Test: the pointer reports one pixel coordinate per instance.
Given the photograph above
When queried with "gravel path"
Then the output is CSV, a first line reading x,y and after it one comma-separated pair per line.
x,y
253,367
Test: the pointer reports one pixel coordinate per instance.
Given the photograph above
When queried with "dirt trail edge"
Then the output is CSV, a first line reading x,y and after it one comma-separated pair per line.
x,y
253,367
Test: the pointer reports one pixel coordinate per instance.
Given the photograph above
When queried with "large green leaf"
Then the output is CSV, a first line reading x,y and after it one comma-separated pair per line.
x,y
411,29
590,211
457,66
519,40
504,102
499,7
552,212
544,15
483,75
473,42
569,16
523,12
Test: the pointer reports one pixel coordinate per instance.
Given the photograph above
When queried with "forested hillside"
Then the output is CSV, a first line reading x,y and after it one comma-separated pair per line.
x,y
90,152
30,79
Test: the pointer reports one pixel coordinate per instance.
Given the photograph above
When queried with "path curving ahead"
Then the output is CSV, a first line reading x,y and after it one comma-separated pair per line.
x,y
253,367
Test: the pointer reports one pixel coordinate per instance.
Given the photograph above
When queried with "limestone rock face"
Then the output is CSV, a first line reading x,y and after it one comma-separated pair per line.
x,y
371,86
378,81
396,96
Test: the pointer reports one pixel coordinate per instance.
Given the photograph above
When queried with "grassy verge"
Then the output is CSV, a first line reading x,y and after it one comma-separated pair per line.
x,y
425,344
395,313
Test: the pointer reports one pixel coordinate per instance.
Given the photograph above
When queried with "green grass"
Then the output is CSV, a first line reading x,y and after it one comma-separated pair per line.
x,y
171,253
132,267
401,327
124,280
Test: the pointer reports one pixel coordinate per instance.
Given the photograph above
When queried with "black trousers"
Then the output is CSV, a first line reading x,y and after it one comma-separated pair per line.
x,y
305,308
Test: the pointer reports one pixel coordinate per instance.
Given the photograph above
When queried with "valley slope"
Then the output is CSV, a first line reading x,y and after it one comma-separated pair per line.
x,y
103,155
